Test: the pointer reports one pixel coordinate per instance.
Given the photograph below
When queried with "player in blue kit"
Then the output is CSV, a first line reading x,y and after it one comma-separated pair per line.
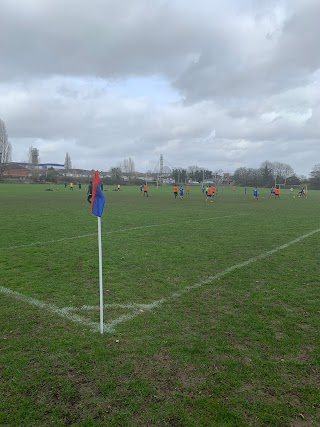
x,y
255,194
181,192
271,192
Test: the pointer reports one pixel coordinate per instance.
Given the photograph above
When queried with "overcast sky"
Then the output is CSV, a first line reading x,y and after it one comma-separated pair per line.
x,y
218,84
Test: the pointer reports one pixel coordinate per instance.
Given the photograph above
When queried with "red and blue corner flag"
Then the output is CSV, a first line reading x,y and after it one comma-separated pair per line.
x,y
98,199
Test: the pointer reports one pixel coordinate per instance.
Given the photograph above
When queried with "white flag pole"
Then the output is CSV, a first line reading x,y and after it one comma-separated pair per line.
x,y
100,275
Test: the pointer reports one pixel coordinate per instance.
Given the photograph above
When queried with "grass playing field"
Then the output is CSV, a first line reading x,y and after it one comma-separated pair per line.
x,y
211,309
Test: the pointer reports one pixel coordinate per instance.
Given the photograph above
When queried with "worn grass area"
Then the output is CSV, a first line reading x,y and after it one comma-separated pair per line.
x,y
240,348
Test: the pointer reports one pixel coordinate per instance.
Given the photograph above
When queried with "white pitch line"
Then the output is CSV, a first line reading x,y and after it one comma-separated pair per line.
x,y
174,223
135,306
109,327
94,326
47,242
156,304
121,230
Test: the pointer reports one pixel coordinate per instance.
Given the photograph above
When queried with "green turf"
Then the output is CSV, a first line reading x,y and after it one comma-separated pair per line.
x,y
239,349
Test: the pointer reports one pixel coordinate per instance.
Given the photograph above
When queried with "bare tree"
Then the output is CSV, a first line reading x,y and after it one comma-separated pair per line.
x,y
287,172
67,162
268,166
128,166
279,171
247,176
282,171
5,145
116,173
191,171
315,174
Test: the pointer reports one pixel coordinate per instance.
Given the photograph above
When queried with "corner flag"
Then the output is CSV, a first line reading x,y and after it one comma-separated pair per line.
x,y
97,205
98,199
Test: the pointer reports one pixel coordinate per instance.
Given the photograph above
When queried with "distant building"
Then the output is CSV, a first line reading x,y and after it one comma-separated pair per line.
x,y
34,155
20,173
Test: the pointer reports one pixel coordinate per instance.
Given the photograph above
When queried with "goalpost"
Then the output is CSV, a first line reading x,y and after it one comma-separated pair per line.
x,y
301,189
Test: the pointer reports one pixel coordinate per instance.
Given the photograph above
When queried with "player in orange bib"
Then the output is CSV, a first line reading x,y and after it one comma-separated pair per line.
x,y
209,194
277,193
188,189
145,190
175,191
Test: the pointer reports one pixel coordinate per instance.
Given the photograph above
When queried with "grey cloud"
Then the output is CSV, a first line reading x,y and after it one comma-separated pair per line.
x,y
272,65
102,38
208,52
244,76
298,46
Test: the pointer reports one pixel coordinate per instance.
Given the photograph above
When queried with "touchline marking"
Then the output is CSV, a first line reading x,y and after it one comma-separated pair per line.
x,y
156,304
47,242
139,309
121,230
94,326
115,305
66,312
125,317
173,223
